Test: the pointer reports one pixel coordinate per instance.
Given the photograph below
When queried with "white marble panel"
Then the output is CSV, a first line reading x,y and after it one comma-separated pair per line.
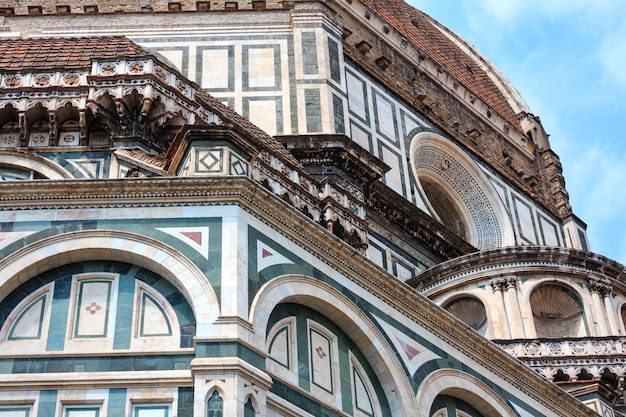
x,y
215,68
92,311
263,114
321,360
175,57
261,67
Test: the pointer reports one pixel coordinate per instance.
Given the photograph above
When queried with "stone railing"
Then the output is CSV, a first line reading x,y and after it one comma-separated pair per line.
x,y
571,356
564,348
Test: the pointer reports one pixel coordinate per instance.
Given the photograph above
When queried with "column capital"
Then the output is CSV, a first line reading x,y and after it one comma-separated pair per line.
x,y
503,282
600,287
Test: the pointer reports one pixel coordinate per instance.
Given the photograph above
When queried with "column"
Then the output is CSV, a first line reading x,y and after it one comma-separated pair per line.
x,y
501,324
512,306
599,313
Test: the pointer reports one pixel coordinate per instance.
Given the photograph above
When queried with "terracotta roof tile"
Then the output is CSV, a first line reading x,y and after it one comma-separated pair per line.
x,y
66,53
426,36
77,53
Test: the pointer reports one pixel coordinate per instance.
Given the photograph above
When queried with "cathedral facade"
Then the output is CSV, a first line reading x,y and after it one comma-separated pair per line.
x,y
285,208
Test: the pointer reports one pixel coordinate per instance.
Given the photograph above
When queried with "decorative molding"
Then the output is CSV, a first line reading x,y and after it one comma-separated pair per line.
x,y
309,235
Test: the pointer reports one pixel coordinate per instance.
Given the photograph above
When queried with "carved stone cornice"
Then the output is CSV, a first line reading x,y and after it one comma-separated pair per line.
x,y
305,233
412,222
319,152
523,259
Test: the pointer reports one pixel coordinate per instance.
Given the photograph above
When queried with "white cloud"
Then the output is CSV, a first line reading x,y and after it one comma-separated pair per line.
x,y
518,10
612,55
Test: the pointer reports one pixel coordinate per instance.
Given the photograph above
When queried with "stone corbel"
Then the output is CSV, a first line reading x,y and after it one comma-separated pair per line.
x,y
82,124
52,125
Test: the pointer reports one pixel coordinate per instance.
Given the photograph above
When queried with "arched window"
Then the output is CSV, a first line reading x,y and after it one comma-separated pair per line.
x,y
215,405
557,312
248,409
470,310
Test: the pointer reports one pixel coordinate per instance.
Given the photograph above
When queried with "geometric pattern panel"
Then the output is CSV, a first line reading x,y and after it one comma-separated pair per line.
x,y
92,309
154,321
69,139
238,166
321,360
262,73
89,168
412,353
209,161
357,97
525,221
39,139
279,347
361,396
549,231
217,72
9,140
196,237
27,325
385,113
267,257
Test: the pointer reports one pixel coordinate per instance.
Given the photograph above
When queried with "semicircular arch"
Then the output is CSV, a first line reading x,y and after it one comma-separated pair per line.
x,y
465,387
346,315
54,251
44,167
459,193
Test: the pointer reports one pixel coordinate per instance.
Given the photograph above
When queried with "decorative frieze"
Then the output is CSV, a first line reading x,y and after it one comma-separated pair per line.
x,y
590,348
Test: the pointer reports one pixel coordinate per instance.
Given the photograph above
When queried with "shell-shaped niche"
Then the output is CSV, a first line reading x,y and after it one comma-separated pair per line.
x,y
557,312
469,310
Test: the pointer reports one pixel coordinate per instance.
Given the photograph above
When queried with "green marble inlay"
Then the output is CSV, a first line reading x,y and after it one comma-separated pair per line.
x,y
117,402
230,349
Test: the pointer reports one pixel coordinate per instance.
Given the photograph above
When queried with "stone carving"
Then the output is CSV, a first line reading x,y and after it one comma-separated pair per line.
x,y
71,79
438,161
42,80
13,81
136,68
555,348
107,69
599,287
532,349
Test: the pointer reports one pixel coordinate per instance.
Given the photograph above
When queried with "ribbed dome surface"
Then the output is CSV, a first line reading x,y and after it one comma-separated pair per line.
x,y
422,30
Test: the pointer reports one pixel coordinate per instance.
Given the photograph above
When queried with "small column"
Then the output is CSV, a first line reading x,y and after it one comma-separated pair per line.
x,y
514,314
611,313
501,324
599,313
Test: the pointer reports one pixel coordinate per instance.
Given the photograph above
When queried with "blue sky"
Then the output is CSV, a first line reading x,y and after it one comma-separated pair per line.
x,y
567,58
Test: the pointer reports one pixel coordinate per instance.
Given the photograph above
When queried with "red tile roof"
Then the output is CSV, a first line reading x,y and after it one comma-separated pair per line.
x,y
77,53
63,53
426,36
